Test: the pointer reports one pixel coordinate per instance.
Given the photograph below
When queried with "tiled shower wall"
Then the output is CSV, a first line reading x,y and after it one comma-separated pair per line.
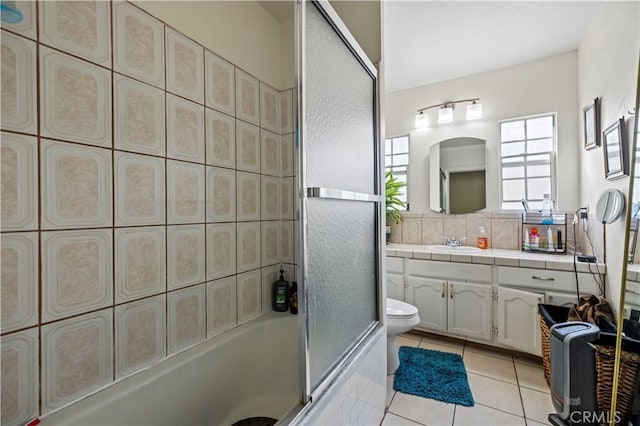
x,y
147,198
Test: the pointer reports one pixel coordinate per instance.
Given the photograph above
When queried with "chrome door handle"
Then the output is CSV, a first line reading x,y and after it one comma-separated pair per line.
x,y
450,291
535,277
443,288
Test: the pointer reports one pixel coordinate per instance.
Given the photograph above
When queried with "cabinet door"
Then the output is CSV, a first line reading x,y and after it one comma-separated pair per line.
x,y
469,309
518,324
429,296
395,286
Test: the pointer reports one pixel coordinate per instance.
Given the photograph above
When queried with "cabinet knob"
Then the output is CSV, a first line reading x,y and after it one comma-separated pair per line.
x,y
535,277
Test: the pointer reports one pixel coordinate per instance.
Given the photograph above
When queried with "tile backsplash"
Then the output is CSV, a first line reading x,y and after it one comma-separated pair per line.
x,y
147,198
504,230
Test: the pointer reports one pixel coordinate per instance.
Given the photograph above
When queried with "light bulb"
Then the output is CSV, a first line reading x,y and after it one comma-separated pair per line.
x,y
422,120
474,111
445,115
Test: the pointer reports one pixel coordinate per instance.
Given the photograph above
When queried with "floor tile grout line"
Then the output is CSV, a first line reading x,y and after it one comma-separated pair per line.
x,y
500,409
519,391
491,377
403,417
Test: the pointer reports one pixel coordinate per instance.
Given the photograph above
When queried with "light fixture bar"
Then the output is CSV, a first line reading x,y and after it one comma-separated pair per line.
x,y
447,103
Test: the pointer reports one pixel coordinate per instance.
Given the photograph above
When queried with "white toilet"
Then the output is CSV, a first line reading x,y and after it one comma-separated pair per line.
x,y
401,317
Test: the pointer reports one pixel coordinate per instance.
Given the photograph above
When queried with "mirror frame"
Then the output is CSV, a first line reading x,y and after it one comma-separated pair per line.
x,y
623,286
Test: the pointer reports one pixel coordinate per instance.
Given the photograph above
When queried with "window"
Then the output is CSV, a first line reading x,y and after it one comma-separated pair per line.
x,y
527,149
396,159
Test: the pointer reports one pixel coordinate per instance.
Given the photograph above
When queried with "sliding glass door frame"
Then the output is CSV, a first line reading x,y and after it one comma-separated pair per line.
x,y
307,393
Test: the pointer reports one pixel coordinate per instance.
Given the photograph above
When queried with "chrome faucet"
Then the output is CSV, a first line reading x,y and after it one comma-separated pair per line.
x,y
454,242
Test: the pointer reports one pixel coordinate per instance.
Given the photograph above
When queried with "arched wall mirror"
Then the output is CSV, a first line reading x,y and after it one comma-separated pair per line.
x,y
626,374
457,181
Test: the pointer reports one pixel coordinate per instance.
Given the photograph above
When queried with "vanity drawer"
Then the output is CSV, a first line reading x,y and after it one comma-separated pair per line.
x,y
395,265
449,270
546,279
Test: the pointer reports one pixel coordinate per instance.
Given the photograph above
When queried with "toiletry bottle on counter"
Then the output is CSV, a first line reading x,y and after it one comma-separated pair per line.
x,y
483,241
280,297
550,245
534,239
293,298
559,244
525,239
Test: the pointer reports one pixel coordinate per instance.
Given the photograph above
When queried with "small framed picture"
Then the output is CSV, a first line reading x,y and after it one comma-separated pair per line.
x,y
616,163
591,116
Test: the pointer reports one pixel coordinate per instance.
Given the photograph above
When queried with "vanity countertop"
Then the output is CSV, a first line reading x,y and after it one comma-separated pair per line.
x,y
517,258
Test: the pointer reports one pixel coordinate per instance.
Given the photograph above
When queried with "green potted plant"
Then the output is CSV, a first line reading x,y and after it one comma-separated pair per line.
x,y
393,201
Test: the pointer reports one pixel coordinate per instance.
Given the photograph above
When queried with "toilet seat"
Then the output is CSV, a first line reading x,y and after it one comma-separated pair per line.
x,y
400,310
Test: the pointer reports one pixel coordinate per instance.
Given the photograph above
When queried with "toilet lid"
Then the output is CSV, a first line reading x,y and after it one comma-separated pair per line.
x,y
398,309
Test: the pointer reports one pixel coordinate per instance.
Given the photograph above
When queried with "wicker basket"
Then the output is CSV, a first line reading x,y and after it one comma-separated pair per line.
x,y
628,375
549,316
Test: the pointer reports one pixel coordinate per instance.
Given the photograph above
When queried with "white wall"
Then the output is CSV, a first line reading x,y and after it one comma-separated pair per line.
x,y
242,32
607,68
546,85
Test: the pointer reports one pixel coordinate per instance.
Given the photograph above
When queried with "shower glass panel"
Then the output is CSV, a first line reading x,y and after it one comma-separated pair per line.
x,y
340,277
339,187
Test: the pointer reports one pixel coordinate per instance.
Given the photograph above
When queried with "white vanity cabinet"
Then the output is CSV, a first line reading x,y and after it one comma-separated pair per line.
x,y
494,304
395,278
518,325
520,290
429,295
454,298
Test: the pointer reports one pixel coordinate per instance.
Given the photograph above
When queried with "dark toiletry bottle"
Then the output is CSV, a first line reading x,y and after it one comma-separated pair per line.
x,y
293,298
559,239
280,300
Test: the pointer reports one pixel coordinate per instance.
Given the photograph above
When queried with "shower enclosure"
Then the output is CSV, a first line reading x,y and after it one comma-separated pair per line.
x,y
339,197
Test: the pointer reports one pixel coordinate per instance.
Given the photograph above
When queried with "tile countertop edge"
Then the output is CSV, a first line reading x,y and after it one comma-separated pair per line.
x,y
500,257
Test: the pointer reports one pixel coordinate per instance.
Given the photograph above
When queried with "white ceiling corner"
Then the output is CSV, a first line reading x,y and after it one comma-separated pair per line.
x,y
430,41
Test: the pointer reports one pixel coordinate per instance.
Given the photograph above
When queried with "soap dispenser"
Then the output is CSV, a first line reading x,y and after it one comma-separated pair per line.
x,y
280,297
483,241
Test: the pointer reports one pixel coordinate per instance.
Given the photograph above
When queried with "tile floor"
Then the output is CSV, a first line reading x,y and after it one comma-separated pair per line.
x,y
507,390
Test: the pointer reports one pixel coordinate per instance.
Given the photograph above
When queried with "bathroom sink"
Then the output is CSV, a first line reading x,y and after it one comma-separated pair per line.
x,y
449,249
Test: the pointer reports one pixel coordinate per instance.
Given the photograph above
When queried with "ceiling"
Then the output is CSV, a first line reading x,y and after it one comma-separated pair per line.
x,y
426,41
430,41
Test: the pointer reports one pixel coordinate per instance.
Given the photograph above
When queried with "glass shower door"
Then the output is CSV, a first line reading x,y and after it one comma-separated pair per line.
x,y
339,194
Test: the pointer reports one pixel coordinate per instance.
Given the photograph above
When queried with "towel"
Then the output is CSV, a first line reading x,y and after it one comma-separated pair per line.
x,y
592,309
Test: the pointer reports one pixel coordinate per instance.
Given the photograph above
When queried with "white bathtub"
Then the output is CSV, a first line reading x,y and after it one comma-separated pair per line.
x,y
250,371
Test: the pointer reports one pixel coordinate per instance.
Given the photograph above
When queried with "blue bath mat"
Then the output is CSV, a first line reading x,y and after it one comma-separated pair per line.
x,y
433,374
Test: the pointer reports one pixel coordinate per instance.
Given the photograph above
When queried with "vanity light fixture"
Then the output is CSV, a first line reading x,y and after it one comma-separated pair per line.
x,y
445,113
474,111
422,120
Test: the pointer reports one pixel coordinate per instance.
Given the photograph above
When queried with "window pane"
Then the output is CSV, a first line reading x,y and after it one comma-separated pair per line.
x,y
387,160
512,172
536,188
512,205
513,161
538,170
387,146
513,189
401,177
512,131
535,205
401,145
539,159
400,159
399,169
513,148
540,127
539,145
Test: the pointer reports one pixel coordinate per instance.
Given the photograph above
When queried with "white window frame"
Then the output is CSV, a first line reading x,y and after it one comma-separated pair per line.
x,y
553,156
406,173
